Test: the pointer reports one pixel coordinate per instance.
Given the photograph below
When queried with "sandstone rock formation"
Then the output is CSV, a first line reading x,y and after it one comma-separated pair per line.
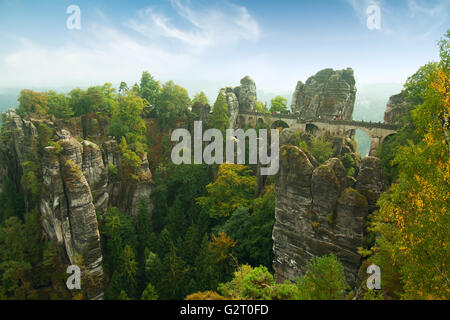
x,y
76,185
341,144
241,98
370,181
320,210
233,105
122,195
246,94
329,94
67,205
396,108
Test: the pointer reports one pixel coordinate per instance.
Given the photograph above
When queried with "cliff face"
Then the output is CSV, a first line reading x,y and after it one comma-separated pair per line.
x,y
320,210
328,93
240,98
67,207
396,108
76,185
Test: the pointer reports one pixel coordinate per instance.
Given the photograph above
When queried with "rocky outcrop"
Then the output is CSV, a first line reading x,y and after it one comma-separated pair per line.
x,y
79,180
341,144
240,98
233,105
370,181
67,206
329,94
96,174
246,94
396,108
319,210
123,195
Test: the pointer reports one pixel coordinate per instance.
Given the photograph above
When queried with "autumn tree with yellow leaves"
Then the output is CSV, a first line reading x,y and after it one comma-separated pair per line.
x,y
412,225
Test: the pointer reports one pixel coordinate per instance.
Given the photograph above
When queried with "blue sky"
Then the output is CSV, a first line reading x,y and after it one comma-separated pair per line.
x,y
215,43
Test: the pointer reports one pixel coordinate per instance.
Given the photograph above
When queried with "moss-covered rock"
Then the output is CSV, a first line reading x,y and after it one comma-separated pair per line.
x,y
352,198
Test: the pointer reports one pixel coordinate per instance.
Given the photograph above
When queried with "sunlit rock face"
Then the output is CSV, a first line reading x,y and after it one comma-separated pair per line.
x,y
328,94
246,94
320,210
123,195
396,108
67,205
76,186
233,105
240,98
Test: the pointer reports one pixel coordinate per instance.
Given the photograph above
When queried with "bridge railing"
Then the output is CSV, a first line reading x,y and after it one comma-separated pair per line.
x,y
276,115
379,125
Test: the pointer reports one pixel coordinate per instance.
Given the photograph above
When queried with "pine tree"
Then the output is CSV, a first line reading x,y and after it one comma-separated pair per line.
x,y
219,116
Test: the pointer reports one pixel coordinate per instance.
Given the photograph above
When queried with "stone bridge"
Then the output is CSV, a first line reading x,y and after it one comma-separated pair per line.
x,y
377,132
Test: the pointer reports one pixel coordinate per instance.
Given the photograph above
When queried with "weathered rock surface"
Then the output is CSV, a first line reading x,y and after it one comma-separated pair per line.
x,y
122,195
319,210
96,174
76,185
246,94
240,98
328,94
370,181
67,206
396,108
233,105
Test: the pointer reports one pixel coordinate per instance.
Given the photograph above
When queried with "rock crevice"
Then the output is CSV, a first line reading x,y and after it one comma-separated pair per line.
x,y
329,94
320,210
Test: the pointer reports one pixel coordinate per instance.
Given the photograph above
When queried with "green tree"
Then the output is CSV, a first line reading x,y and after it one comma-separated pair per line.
x,y
173,103
154,269
123,88
128,272
417,84
117,231
200,98
234,187
149,293
12,201
126,119
149,88
32,102
321,149
279,105
58,105
219,116
261,107
146,237
79,102
412,223
173,278
324,279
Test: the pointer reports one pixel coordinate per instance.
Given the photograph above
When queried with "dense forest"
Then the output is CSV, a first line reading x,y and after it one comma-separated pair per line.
x,y
210,232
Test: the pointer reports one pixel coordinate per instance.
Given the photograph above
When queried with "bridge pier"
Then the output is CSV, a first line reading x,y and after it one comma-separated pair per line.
x,y
374,144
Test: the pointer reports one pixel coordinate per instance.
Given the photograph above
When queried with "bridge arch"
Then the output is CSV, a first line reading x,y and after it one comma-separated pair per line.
x,y
387,137
279,124
378,133
312,129
261,123
363,142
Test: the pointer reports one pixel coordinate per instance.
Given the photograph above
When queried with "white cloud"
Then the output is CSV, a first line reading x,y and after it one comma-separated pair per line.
x,y
430,17
206,27
439,10
419,20
108,52
103,54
